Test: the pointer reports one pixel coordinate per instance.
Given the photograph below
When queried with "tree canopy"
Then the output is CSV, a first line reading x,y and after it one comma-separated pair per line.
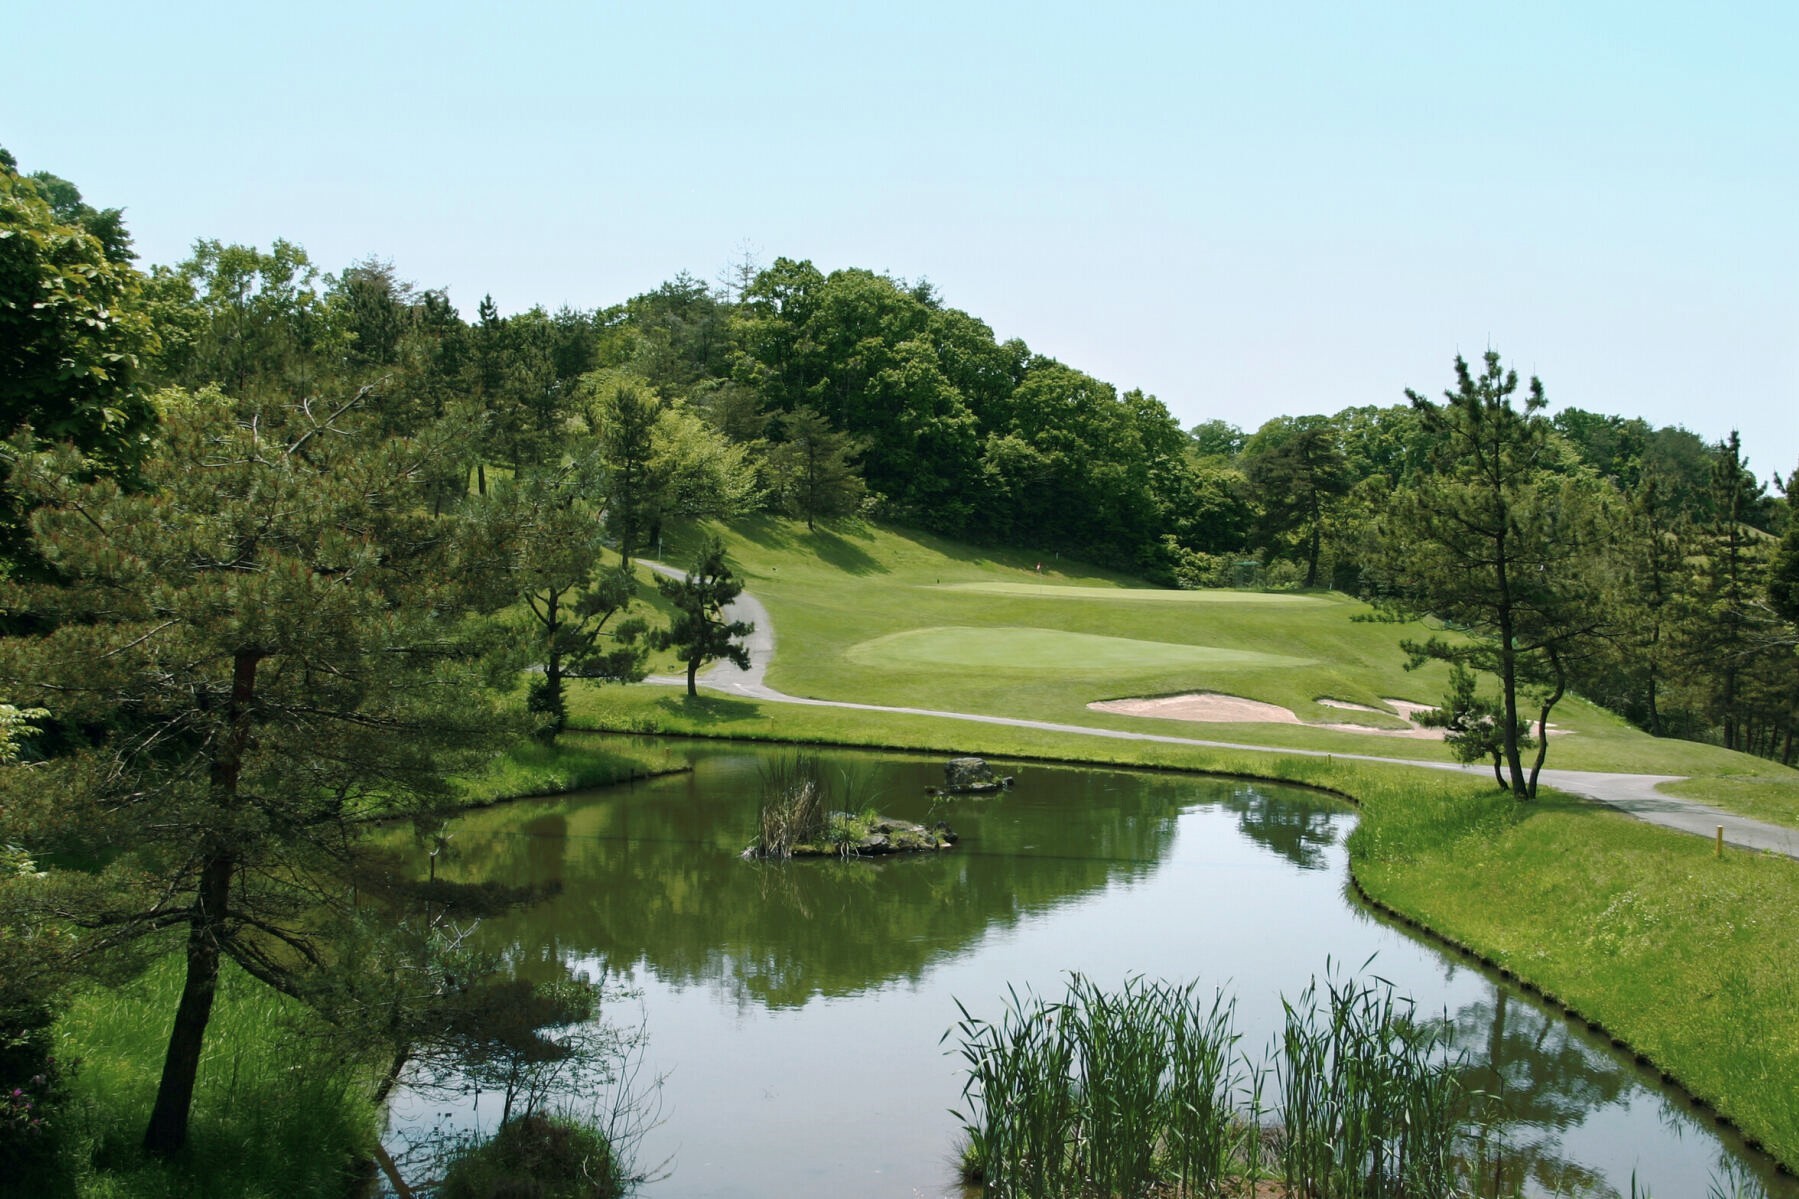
x,y
266,642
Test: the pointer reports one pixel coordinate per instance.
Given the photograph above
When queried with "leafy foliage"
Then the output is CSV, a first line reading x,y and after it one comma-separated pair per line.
x,y
1497,541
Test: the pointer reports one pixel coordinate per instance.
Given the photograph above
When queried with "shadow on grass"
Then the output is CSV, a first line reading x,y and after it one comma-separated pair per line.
x,y
836,550
709,711
833,548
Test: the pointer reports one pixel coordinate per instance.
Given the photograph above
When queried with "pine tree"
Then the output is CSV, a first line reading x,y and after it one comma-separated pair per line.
x,y
700,633
269,642
812,468
1493,541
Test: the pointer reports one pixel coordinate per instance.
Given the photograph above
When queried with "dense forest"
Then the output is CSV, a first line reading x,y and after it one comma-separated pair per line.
x,y
259,520
827,395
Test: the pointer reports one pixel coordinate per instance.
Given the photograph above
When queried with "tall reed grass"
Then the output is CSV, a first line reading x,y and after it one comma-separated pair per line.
x,y
801,806
1143,1090
794,810
1370,1104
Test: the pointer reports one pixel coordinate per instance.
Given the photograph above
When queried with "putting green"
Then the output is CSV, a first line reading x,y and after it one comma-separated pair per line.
x,y
1053,591
1023,648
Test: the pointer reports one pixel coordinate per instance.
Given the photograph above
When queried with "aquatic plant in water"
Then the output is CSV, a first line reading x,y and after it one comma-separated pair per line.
x,y
1117,1093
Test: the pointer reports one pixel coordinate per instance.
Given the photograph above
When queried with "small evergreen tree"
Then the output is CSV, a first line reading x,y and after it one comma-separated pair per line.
x,y
813,472
1495,541
700,631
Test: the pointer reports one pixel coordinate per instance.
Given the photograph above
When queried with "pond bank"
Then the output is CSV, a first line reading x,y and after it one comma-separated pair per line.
x,y
1631,925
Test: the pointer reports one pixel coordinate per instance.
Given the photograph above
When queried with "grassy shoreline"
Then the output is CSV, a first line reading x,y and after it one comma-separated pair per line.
x,y
1446,854
576,761
262,1124
1679,957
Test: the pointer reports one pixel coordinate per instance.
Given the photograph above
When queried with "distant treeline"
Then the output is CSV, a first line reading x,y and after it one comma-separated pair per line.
x,y
827,394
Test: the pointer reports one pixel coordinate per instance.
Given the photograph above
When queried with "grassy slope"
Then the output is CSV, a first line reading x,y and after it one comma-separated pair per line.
x,y
1684,957
576,762
851,609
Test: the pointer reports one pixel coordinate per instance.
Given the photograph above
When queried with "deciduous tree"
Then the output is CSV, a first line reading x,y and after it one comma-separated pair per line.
x,y
1297,465
71,333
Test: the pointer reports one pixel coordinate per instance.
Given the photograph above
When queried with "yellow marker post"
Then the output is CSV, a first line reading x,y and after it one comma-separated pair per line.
x,y
1720,851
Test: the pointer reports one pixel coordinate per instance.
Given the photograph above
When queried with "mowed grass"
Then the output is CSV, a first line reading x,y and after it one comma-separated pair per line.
x,y
1052,591
834,591
1034,649
1686,957
877,615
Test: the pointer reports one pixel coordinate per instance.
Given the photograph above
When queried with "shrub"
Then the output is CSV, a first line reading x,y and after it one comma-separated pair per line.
x,y
31,1087
536,1157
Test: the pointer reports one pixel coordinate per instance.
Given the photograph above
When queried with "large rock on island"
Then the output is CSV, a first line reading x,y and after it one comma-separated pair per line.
x,y
966,776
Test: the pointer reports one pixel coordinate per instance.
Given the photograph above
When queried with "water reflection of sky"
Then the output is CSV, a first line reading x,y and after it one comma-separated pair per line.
x,y
798,1020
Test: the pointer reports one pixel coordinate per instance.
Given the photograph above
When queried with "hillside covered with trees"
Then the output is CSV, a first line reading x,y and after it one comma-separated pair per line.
x,y
824,395
278,542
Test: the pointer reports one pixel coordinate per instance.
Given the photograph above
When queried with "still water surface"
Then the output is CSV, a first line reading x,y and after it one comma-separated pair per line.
x,y
797,1009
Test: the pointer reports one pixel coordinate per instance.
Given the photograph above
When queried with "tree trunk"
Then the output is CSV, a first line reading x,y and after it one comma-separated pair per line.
x,y
1508,685
552,667
693,671
167,1130
1561,685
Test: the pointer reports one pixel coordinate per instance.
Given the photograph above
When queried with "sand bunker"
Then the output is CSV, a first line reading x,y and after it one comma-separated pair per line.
x,y
1210,708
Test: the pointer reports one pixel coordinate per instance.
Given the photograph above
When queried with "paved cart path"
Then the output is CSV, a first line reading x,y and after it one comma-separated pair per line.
x,y
1636,794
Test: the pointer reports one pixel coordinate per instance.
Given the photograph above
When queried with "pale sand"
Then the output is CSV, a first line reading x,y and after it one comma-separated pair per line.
x,y
1210,708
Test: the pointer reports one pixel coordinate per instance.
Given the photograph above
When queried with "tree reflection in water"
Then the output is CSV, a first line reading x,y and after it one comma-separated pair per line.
x,y
1299,834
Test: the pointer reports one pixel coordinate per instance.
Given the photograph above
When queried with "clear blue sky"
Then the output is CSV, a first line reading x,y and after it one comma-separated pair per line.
x,y
1246,209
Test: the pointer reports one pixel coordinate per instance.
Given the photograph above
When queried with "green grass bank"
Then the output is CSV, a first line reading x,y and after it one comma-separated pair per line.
x,y
277,1112
1683,957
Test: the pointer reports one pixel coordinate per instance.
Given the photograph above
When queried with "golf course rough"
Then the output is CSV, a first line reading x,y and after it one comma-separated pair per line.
x,y
1134,594
1025,648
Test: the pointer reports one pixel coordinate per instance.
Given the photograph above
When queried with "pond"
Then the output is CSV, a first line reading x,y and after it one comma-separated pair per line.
x,y
797,1010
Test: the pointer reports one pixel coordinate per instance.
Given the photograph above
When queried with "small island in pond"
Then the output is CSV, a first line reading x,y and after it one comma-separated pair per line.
x,y
852,835
800,816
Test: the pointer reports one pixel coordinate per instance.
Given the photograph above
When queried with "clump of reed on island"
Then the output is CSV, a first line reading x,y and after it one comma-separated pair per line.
x,y
803,808
1143,1090
794,810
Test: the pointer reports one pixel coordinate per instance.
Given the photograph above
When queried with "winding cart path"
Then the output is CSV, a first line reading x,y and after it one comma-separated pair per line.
x,y
1636,794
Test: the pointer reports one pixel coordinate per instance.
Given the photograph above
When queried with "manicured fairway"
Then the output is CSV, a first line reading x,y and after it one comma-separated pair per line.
x,y
1034,649
1134,594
